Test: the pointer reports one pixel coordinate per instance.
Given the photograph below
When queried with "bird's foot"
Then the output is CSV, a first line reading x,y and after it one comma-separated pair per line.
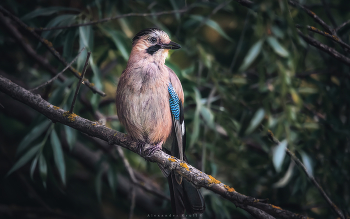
x,y
147,150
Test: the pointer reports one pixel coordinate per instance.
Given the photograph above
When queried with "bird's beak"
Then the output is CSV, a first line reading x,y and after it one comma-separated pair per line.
x,y
171,45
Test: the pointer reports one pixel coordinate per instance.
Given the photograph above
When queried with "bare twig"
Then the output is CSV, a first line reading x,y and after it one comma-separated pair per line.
x,y
114,18
325,48
323,33
191,174
313,180
313,15
27,48
51,49
342,25
132,205
79,83
54,78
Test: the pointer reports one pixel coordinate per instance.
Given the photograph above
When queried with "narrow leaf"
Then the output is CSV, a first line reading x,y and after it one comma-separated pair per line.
x,y
277,47
251,55
278,155
71,136
32,135
46,12
257,118
58,155
119,41
43,169
32,167
307,162
25,158
208,117
213,25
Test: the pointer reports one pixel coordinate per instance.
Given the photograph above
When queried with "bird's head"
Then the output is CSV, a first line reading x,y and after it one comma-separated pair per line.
x,y
153,43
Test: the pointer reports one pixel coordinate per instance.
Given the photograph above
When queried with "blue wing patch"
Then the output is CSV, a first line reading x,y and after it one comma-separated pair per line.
x,y
174,102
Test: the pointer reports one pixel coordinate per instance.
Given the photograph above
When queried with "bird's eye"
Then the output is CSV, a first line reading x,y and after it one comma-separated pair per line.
x,y
153,40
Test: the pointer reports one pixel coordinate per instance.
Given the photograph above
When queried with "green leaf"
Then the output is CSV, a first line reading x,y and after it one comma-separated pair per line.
x,y
98,183
278,155
111,179
58,155
307,162
208,116
251,55
32,167
212,24
46,12
61,20
119,40
25,158
286,178
277,47
32,135
256,120
68,44
71,136
196,121
43,168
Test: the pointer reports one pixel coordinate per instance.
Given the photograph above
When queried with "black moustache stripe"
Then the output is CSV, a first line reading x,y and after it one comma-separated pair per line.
x,y
151,50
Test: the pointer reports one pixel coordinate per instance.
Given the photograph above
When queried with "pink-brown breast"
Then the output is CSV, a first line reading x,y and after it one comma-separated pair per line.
x,y
143,101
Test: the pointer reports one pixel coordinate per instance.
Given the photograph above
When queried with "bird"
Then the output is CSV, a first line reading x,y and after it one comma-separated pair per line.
x,y
150,105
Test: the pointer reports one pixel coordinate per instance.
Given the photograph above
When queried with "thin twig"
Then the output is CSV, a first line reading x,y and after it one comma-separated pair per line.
x,y
54,78
342,25
313,180
27,48
325,48
313,15
190,173
49,45
80,82
323,33
114,18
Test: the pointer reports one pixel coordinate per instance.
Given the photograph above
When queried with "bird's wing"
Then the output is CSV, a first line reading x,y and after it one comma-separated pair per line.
x,y
177,114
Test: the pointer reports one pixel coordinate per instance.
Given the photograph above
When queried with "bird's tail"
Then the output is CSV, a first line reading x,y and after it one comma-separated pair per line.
x,y
184,196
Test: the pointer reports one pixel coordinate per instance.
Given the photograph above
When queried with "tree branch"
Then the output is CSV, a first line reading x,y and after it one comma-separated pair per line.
x,y
313,180
49,45
342,25
27,48
54,78
325,48
193,175
323,33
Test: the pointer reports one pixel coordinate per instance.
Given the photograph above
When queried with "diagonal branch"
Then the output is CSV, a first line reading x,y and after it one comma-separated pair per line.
x,y
27,48
51,49
54,78
313,15
323,33
325,48
342,25
114,18
193,175
313,180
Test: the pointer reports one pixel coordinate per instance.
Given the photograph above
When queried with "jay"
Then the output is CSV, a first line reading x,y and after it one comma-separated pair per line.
x,y
149,104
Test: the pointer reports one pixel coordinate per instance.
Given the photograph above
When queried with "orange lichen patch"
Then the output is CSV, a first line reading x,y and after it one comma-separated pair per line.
x,y
115,134
335,38
270,133
55,107
313,28
93,123
91,84
70,116
229,189
311,12
172,159
30,28
47,42
276,207
213,180
184,165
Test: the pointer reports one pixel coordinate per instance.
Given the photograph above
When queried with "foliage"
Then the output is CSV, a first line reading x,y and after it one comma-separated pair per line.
x,y
243,72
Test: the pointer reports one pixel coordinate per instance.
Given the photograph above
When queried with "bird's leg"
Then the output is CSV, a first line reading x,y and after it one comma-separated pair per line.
x,y
149,149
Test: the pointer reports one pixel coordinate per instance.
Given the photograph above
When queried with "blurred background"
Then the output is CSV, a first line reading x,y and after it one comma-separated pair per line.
x,y
243,72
